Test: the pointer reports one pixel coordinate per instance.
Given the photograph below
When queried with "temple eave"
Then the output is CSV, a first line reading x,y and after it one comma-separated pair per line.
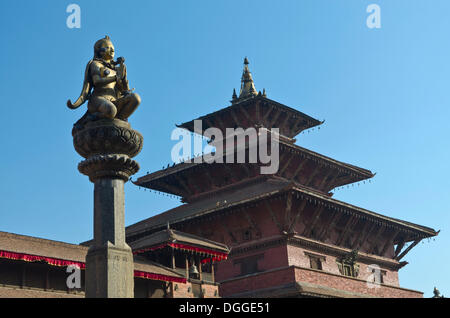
x,y
411,231
290,121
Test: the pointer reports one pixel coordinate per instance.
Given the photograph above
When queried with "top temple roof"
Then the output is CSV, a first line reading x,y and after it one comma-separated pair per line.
x,y
253,109
257,111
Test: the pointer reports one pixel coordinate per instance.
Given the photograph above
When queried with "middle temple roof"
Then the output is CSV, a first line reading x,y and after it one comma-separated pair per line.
x,y
189,180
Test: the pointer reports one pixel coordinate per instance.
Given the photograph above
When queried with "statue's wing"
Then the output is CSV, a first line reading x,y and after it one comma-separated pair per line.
x,y
85,90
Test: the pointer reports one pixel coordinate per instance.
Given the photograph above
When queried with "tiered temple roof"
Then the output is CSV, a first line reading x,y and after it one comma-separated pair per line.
x,y
304,180
259,189
297,164
255,110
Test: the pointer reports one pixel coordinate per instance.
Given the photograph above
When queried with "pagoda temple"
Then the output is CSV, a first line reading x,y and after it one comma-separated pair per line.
x,y
288,236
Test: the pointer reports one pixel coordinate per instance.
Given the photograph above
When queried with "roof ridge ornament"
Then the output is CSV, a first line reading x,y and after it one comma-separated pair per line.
x,y
247,85
234,97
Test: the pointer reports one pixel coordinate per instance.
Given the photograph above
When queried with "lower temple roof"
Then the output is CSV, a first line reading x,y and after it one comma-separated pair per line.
x,y
177,239
262,188
32,249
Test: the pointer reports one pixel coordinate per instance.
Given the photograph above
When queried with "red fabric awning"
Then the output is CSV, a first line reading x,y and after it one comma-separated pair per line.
x,y
211,254
81,265
37,258
159,277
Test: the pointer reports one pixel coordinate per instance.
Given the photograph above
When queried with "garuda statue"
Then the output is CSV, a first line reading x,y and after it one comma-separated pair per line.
x,y
105,87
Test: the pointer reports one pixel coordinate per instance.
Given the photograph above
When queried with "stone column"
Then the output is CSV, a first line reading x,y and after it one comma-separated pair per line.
x,y
108,146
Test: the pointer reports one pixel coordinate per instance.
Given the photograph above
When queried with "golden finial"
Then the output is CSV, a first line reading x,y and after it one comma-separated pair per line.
x,y
247,85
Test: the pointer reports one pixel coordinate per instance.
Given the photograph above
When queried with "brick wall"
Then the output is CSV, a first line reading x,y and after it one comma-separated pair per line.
x,y
297,257
291,274
352,284
271,257
17,292
187,290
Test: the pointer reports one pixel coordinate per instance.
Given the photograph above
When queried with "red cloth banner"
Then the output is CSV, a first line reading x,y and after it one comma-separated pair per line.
x,y
165,278
149,249
216,256
37,258
61,262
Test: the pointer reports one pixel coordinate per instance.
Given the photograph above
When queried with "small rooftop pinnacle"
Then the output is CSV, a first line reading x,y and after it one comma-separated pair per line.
x,y
247,85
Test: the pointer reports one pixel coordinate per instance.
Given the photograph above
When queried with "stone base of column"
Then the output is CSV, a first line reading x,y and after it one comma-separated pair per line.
x,y
108,146
109,272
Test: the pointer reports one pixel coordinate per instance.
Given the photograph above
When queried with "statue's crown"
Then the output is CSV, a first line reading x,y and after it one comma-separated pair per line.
x,y
98,45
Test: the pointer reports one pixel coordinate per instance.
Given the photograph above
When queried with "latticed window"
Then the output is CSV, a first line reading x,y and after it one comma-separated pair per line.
x,y
249,265
351,270
347,264
315,260
247,235
377,274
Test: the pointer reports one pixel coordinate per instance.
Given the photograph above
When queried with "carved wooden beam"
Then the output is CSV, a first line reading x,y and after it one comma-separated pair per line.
x,y
266,115
200,231
312,175
252,223
348,229
333,181
336,216
244,111
408,249
327,175
297,215
286,165
364,232
210,179
274,119
399,248
300,123
208,123
247,170
258,111
183,184
227,230
287,216
194,185
230,172
389,241
339,180
315,218
238,123
295,126
285,122
171,189
299,167
375,239
221,124
273,216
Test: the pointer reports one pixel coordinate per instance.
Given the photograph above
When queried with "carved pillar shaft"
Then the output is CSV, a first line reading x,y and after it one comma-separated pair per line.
x,y
109,212
108,146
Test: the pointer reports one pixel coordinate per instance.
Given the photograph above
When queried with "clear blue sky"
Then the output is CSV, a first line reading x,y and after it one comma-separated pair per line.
x,y
384,94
